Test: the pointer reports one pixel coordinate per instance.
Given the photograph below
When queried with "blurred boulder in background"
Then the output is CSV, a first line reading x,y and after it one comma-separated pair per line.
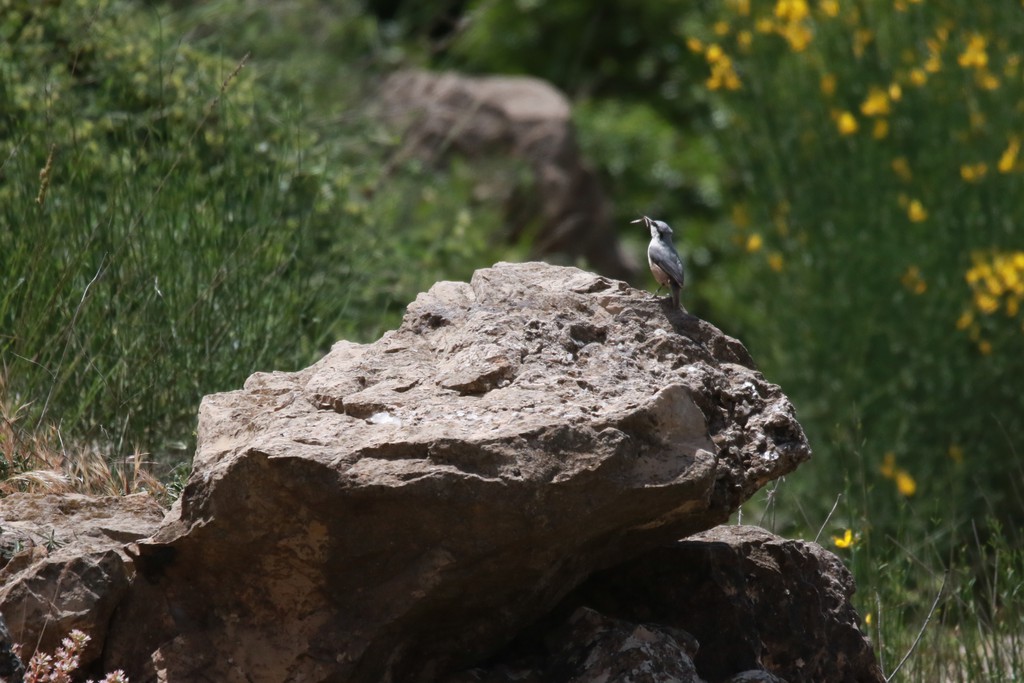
x,y
525,119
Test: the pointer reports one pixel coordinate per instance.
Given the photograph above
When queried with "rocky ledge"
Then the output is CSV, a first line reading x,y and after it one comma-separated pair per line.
x,y
413,509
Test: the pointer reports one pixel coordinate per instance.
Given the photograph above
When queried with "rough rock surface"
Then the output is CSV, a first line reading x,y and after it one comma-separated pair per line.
x,y
62,564
761,602
522,118
401,509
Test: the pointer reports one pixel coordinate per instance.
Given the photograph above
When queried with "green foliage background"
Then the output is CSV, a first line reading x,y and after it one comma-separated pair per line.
x,y
217,201
876,327
841,259
190,192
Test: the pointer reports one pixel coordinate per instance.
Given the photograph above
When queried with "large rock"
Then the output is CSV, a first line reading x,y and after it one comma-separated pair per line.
x,y
62,564
515,117
401,509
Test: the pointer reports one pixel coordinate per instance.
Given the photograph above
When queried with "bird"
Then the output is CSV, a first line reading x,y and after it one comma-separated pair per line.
x,y
663,258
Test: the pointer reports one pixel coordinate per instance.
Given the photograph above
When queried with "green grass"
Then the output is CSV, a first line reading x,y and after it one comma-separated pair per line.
x,y
954,618
194,223
937,604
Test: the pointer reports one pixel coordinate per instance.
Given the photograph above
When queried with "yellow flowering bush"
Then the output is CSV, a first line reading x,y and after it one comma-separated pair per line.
x,y
889,294
996,280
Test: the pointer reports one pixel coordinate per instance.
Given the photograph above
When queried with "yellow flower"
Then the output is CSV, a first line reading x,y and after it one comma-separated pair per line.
x,y
888,468
828,85
994,283
916,211
830,8
797,35
973,173
985,347
1010,274
792,27
901,167
867,619
986,80
846,122
895,92
695,44
979,270
1008,160
918,77
934,61
956,453
776,262
723,75
986,303
754,242
974,55
744,39
905,483
791,10
845,541
741,7
880,129
876,104
764,25
965,320
721,28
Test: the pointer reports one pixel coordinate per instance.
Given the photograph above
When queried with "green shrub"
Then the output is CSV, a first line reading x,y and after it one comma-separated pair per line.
x,y
173,220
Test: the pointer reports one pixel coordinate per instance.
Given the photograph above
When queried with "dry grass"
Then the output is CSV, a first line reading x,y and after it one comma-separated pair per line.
x,y
39,461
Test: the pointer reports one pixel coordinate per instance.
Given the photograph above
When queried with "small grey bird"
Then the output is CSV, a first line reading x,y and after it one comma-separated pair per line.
x,y
663,258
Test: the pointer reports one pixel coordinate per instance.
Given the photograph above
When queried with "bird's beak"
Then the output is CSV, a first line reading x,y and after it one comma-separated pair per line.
x,y
643,219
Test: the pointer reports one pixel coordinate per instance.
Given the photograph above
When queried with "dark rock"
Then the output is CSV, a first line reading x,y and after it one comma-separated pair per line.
x,y
754,602
11,668
755,676
592,648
